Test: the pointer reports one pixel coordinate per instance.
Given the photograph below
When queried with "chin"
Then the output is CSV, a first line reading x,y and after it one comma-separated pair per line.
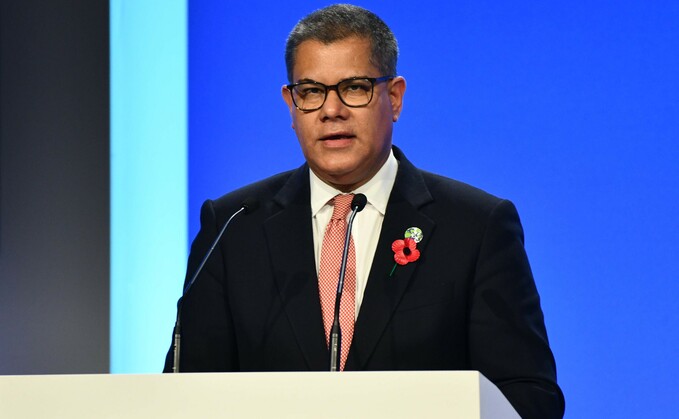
x,y
335,168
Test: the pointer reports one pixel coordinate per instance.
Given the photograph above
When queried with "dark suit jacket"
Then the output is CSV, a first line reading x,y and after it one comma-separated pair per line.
x,y
468,303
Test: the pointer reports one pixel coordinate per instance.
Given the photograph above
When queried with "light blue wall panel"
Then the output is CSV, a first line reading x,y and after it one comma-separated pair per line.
x,y
148,178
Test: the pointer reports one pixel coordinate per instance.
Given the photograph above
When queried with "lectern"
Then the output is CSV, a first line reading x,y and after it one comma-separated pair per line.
x,y
437,394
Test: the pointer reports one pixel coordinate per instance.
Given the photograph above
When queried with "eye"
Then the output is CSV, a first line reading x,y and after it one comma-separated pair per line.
x,y
355,89
357,86
309,90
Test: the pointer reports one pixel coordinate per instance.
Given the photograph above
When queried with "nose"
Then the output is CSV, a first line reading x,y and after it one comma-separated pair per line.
x,y
333,106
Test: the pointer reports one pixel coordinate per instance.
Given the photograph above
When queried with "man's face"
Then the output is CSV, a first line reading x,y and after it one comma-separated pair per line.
x,y
344,146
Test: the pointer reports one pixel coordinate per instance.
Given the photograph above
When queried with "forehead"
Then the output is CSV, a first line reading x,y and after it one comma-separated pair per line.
x,y
329,63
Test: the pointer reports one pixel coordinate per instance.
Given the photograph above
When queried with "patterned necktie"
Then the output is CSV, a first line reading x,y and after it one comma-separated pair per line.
x,y
328,276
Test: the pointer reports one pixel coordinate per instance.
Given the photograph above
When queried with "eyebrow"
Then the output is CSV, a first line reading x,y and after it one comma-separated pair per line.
x,y
307,80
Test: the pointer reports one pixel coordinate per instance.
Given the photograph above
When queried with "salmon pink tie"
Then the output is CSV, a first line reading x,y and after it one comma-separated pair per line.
x,y
328,276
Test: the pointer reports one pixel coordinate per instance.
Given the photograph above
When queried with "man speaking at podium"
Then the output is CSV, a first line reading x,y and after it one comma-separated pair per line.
x,y
435,275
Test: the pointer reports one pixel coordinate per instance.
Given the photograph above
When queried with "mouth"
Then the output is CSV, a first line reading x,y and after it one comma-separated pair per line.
x,y
338,137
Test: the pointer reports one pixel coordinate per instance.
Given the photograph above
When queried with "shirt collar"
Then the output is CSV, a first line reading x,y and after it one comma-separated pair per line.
x,y
377,189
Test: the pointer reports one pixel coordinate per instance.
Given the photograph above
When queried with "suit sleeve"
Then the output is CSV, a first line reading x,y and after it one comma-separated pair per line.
x,y
208,342
507,336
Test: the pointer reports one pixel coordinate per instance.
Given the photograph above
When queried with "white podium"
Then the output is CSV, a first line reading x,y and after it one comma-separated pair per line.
x,y
437,394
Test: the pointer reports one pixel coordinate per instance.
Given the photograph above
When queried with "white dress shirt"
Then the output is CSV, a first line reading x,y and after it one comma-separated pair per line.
x,y
367,224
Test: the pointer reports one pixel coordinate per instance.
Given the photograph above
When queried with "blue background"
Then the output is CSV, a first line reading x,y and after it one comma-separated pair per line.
x,y
569,109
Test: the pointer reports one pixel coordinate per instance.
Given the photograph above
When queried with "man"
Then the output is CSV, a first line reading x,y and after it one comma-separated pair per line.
x,y
457,295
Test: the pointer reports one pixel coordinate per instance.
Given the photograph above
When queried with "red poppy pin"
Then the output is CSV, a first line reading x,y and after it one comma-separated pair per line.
x,y
405,250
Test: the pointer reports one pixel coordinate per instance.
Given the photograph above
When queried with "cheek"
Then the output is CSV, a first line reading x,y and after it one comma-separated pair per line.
x,y
303,131
303,124
381,120
380,128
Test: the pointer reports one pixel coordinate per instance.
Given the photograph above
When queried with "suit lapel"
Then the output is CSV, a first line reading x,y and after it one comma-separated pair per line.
x,y
385,289
290,244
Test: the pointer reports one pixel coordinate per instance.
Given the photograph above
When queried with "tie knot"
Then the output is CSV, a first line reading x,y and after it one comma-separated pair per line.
x,y
342,206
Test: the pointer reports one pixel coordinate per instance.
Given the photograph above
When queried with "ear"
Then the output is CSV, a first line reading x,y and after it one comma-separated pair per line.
x,y
288,101
397,88
287,98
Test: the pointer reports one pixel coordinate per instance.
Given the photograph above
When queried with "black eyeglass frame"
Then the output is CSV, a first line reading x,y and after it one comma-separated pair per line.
x,y
372,80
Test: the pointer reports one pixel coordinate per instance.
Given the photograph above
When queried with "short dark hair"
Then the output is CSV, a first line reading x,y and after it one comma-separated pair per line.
x,y
340,21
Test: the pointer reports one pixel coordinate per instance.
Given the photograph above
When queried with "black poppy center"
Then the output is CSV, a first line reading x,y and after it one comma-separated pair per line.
x,y
406,251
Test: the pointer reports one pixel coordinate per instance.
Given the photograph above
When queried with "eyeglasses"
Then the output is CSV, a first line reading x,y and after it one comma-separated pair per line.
x,y
354,92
